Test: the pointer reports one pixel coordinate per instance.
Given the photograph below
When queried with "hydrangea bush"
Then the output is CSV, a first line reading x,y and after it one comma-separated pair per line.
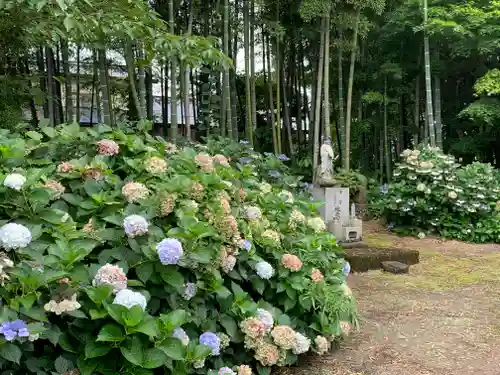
x,y
127,254
432,193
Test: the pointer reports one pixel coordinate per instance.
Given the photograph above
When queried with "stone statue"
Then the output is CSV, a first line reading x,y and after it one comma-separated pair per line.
x,y
324,173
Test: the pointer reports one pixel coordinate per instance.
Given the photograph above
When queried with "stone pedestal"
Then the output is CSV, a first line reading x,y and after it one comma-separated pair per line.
x,y
336,203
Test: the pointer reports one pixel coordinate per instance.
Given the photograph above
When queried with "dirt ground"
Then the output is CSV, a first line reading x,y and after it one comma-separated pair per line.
x,y
441,319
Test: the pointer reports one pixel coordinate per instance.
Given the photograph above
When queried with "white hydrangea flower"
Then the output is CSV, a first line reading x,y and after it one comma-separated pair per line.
x,y
287,196
264,270
129,298
14,236
181,335
14,181
135,225
317,224
252,212
421,235
421,187
302,344
266,318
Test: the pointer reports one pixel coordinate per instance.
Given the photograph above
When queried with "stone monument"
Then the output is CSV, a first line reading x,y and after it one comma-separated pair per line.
x,y
335,210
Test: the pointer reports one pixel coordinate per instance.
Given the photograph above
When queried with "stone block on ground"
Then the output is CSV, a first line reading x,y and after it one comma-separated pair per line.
x,y
370,258
353,245
396,267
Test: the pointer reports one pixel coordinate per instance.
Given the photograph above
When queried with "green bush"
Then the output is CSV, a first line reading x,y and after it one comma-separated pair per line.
x,y
125,254
431,192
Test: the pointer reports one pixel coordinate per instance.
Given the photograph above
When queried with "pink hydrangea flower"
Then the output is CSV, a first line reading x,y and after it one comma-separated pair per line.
x,y
291,262
283,336
316,275
244,370
108,147
221,159
64,167
111,275
267,354
205,162
56,187
253,328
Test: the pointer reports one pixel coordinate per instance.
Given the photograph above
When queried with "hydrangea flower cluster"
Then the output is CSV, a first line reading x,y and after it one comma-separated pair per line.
x,y
267,354
291,262
197,191
64,167
169,251
167,204
211,340
296,218
221,160
244,370
322,345
286,196
108,147
264,270
226,206
134,191
56,187
225,371
265,187
347,268
135,225
227,227
266,318
66,305
129,298
205,162
316,275
156,165
245,245
253,327
111,275
317,224
11,330
272,236
283,336
170,148
181,335
5,262
345,327
228,262
190,290
14,181
252,212
93,173
14,236
302,344
224,340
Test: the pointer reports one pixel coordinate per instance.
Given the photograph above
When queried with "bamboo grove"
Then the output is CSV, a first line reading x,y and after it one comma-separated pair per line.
x,y
376,76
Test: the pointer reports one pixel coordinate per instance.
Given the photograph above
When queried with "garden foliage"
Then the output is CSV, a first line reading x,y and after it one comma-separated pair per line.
x,y
432,193
126,254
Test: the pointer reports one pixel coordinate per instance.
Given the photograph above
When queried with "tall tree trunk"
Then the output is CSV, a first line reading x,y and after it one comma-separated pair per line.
x,y
104,87
187,81
428,85
141,79
26,71
78,114
173,79
129,61
252,72
286,111
317,101
437,107
43,79
235,99
340,59
326,85
227,83
166,100
248,90
416,113
67,83
277,70
349,94
96,83
50,86
149,93
58,105
270,89
386,135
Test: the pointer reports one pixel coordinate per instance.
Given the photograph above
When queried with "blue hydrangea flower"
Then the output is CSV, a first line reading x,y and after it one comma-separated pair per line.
x,y
391,226
190,290
244,160
283,157
274,174
14,329
244,142
135,225
246,245
384,189
225,371
169,250
211,340
347,268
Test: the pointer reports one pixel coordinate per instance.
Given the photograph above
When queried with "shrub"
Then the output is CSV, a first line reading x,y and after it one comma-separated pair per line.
x,y
431,192
125,254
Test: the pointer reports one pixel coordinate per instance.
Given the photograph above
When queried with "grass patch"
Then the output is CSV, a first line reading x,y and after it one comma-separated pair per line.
x,y
441,272
383,240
